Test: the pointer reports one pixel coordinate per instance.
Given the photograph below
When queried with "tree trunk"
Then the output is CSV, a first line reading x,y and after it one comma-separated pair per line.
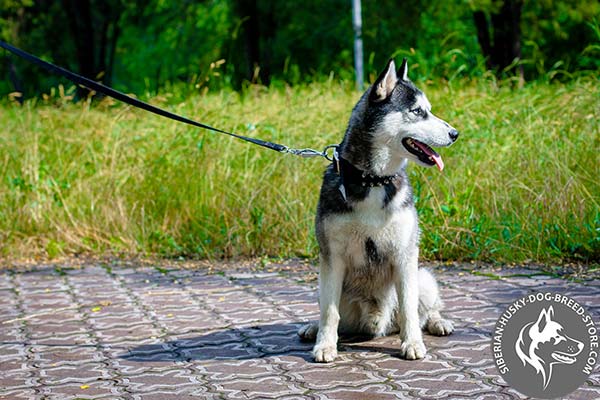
x,y
266,31
483,37
358,44
110,63
79,12
256,28
247,10
95,48
506,33
16,82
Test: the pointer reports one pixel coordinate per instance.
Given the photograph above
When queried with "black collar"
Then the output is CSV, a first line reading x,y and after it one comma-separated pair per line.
x,y
354,176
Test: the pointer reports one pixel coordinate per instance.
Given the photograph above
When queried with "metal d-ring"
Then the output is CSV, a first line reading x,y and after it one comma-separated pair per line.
x,y
334,154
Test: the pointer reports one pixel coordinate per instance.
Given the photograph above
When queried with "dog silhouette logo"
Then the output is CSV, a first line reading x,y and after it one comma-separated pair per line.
x,y
545,345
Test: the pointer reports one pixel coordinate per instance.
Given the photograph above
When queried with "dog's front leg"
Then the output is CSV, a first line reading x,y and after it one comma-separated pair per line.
x,y
407,286
331,277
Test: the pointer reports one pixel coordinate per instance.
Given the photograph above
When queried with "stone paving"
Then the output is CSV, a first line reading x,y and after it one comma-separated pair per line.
x,y
102,331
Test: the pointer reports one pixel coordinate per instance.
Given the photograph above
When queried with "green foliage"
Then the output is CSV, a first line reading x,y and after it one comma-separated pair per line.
x,y
308,40
520,184
559,33
439,38
200,46
170,42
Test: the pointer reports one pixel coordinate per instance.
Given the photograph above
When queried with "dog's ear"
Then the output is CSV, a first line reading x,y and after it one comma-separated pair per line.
x,y
403,70
385,83
544,318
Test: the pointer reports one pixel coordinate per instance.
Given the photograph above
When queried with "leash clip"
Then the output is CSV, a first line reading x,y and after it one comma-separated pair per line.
x,y
307,153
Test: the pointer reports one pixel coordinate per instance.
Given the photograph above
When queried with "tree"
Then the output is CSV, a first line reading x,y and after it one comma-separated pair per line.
x,y
503,46
95,29
78,34
358,44
257,27
11,21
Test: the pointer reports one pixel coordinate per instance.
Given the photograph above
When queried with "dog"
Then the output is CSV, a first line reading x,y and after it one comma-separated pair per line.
x,y
367,227
543,344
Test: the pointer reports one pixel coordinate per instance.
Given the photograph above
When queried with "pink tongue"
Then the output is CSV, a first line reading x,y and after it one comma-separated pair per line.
x,y
438,161
436,157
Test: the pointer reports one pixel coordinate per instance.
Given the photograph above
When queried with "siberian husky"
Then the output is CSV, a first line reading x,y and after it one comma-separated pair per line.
x,y
367,227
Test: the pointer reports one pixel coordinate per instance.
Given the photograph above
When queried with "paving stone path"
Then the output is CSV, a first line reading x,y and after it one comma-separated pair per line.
x,y
102,331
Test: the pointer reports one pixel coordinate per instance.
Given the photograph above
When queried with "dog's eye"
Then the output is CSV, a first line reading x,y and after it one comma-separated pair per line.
x,y
418,111
558,339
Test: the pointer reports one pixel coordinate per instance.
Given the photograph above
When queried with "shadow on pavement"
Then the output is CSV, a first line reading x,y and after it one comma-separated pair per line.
x,y
244,343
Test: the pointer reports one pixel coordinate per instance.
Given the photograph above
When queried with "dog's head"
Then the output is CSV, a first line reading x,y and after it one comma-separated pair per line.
x,y
401,121
544,343
552,344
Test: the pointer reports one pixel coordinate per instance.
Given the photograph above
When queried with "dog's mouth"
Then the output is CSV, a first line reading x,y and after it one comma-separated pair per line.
x,y
563,358
424,153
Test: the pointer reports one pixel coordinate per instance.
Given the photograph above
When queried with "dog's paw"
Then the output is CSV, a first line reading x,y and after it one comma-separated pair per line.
x,y
412,350
325,353
308,332
440,327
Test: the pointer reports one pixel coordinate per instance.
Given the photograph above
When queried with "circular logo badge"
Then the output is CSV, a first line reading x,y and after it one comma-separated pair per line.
x,y
545,345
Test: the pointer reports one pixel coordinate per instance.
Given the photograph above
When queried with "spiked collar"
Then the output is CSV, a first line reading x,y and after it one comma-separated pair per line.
x,y
352,175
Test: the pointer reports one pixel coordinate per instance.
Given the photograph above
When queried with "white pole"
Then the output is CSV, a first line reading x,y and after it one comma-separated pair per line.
x,y
358,45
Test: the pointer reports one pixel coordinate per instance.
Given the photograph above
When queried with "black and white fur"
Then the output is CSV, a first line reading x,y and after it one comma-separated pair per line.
x,y
369,280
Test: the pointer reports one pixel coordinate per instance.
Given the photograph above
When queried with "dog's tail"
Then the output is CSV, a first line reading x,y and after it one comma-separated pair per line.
x,y
430,305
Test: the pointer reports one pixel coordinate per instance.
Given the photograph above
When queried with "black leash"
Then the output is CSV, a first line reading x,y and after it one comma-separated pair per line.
x,y
115,94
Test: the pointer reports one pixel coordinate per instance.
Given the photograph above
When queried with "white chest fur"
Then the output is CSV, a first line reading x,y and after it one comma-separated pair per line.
x,y
392,228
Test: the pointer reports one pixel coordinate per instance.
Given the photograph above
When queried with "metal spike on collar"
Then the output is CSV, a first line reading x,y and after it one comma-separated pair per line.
x,y
343,192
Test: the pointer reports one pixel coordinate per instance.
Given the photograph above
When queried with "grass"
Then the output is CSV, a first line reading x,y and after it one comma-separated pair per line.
x,y
521,184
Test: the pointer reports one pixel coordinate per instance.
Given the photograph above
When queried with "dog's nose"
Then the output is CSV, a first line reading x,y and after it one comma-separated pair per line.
x,y
453,134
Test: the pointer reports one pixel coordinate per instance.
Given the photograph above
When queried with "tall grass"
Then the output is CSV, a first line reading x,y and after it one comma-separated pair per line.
x,y
522,182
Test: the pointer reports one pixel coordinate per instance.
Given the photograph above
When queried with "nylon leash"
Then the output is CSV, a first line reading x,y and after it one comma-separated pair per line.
x,y
115,94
